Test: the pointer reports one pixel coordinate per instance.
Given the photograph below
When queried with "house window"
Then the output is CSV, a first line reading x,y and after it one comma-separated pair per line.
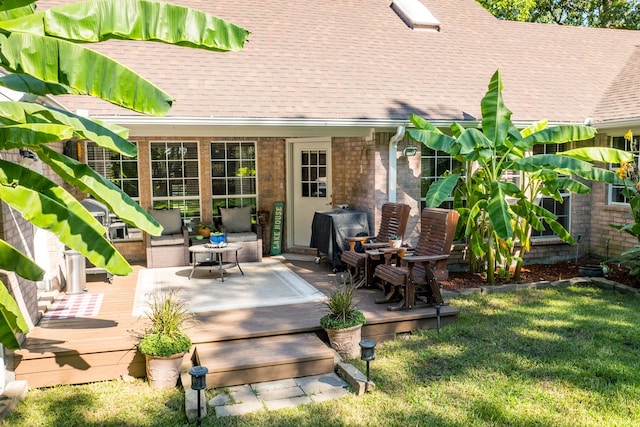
x,y
560,209
175,179
615,193
122,171
434,165
233,176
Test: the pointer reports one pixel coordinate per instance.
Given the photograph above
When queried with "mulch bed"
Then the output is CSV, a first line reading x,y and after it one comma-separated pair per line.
x,y
537,273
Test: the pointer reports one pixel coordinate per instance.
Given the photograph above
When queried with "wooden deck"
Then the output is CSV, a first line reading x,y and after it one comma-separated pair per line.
x,y
81,350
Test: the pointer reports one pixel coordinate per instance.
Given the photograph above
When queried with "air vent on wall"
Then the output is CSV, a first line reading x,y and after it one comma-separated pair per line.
x,y
415,15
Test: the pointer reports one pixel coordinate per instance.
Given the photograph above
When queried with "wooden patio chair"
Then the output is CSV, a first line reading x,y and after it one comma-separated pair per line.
x,y
419,273
393,222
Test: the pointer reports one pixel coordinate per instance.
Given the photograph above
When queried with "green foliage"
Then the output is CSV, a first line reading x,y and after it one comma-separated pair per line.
x,y
589,13
562,357
496,213
341,307
630,174
163,345
169,316
45,53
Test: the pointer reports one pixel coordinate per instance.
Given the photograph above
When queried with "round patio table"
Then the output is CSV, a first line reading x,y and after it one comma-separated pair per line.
x,y
216,258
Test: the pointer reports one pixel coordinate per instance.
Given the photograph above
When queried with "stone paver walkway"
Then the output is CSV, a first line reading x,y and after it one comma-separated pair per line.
x,y
273,395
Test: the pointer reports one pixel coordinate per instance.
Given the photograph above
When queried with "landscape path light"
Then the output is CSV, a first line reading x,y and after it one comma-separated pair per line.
x,y
198,383
367,353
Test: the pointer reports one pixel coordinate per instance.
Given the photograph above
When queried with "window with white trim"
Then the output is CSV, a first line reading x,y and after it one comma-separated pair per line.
x,y
121,170
434,165
233,176
615,194
175,179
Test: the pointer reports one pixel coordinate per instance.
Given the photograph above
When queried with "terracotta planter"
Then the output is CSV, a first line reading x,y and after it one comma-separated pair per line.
x,y
204,232
163,372
346,341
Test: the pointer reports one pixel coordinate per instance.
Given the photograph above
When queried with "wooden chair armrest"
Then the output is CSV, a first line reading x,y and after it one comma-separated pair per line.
x,y
423,258
376,245
390,252
361,239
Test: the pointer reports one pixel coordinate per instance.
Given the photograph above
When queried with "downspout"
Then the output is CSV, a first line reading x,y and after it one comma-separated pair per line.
x,y
393,163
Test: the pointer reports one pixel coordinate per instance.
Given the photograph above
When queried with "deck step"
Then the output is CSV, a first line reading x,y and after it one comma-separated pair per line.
x,y
264,359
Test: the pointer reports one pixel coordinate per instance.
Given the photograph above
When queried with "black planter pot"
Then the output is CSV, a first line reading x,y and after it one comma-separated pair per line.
x,y
591,271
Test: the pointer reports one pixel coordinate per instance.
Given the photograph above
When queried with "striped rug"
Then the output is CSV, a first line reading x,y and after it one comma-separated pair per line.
x,y
76,305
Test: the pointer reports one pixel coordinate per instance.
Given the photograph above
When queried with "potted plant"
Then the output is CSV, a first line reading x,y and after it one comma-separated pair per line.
x,y
164,342
343,322
217,238
204,230
395,241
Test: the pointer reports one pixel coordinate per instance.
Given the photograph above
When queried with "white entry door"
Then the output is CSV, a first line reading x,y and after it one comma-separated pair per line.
x,y
309,172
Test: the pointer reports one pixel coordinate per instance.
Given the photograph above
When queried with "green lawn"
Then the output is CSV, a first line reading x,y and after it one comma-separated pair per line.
x,y
556,357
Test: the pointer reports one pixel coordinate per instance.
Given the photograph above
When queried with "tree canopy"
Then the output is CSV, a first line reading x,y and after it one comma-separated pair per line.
x,y
622,14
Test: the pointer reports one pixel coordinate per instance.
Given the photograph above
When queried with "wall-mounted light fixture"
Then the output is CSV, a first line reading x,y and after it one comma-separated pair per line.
x,y
410,151
28,154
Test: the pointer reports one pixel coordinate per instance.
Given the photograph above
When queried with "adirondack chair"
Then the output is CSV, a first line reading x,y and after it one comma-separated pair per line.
x,y
393,222
416,279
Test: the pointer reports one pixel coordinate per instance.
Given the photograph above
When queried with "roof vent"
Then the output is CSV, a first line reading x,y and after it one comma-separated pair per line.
x,y
415,14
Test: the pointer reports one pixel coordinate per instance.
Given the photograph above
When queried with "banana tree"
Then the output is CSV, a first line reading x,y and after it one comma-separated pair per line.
x,y
499,213
46,53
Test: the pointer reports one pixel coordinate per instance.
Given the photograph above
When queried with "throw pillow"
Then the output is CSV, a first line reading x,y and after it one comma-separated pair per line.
x,y
169,219
236,220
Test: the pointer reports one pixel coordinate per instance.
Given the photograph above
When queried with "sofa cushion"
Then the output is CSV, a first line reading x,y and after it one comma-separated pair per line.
x,y
236,220
169,219
242,237
167,240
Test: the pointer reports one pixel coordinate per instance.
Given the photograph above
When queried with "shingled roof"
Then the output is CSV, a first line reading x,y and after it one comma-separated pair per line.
x,y
356,60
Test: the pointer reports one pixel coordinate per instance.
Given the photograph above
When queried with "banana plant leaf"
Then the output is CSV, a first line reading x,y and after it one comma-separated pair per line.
x,y
499,212
76,66
28,84
440,190
421,123
534,127
572,185
100,20
19,12
17,136
89,181
72,65
560,134
599,154
70,227
104,136
475,145
11,320
435,140
14,4
12,259
19,175
496,117
567,165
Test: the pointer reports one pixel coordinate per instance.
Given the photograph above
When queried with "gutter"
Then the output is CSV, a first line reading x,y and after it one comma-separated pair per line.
x,y
393,164
124,120
615,123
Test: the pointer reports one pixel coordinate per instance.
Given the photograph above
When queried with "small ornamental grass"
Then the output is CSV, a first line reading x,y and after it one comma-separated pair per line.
x,y
342,310
169,316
